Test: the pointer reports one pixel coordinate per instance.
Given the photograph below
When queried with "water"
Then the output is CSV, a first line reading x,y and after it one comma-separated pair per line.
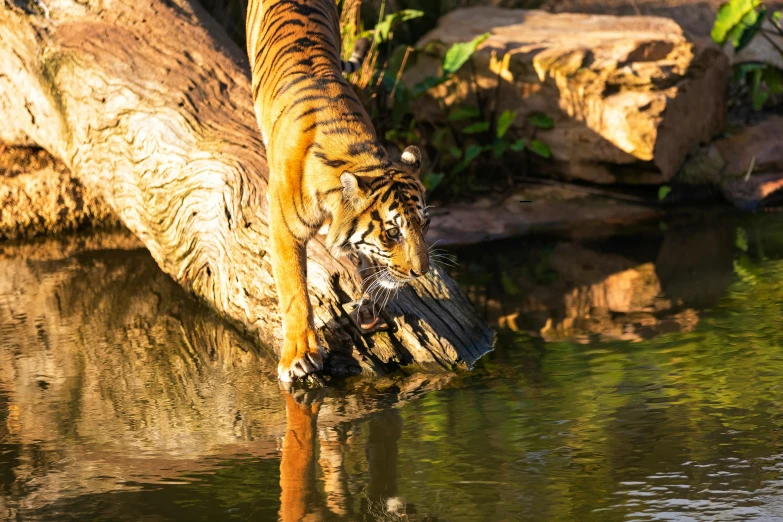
x,y
637,378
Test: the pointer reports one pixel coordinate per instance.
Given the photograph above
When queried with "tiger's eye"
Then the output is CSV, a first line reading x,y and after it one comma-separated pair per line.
x,y
393,233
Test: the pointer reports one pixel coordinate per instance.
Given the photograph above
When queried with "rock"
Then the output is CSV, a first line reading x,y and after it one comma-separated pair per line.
x,y
759,146
696,18
747,164
551,210
751,194
629,95
759,50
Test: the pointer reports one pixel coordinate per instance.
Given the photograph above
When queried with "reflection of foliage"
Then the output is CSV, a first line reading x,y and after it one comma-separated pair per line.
x,y
567,424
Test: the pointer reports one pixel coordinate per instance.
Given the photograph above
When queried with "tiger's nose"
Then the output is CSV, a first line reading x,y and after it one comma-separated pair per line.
x,y
424,270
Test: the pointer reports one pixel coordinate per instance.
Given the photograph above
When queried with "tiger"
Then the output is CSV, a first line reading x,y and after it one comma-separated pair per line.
x,y
326,164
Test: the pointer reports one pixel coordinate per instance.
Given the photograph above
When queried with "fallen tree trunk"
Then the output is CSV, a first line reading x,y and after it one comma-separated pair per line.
x,y
148,104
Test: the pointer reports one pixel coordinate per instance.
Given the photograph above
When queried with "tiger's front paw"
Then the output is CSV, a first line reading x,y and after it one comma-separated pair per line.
x,y
301,356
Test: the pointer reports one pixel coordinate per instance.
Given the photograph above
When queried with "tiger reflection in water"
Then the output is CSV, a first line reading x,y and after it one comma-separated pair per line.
x,y
300,499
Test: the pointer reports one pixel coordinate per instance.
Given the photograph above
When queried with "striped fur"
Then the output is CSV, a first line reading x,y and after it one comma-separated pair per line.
x,y
326,164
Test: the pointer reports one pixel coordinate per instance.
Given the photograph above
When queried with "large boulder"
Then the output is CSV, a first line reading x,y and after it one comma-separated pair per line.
x,y
630,96
694,16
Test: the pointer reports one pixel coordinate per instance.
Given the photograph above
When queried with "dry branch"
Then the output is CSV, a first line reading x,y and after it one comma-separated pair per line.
x,y
148,104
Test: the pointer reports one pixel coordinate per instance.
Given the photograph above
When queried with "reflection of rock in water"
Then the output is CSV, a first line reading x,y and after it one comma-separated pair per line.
x,y
109,373
631,289
696,263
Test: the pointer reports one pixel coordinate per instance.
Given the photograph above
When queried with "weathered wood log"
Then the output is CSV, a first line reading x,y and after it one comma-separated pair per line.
x,y
148,104
39,195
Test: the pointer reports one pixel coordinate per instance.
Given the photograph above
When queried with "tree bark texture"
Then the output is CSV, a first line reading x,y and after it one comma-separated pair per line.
x,y
147,102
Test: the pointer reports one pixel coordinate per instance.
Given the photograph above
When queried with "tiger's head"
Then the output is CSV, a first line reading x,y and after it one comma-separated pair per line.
x,y
384,219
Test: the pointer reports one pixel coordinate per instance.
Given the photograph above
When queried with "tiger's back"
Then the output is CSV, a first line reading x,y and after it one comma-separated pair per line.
x,y
297,71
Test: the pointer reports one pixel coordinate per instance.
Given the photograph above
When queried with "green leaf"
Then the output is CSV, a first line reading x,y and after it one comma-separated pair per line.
x,y
499,148
663,191
508,284
475,128
459,53
440,137
541,120
758,95
730,16
456,152
399,110
759,99
471,153
432,179
384,27
463,113
459,167
519,145
540,148
774,79
750,25
505,120
410,14
426,84
742,70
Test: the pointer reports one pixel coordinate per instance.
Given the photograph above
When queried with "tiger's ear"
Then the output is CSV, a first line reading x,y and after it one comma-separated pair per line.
x,y
411,156
352,191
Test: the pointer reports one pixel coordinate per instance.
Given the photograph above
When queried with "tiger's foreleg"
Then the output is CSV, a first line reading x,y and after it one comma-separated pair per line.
x,y
301,353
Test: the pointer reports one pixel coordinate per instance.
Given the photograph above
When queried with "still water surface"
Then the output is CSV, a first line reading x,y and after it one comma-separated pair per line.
x,y
638,378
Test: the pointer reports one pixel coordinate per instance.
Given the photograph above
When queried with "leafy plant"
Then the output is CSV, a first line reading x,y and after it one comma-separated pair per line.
x,y
471,136
739,22
383,28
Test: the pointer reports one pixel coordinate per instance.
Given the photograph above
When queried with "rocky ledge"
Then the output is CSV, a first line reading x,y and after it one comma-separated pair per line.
x,y
631,96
